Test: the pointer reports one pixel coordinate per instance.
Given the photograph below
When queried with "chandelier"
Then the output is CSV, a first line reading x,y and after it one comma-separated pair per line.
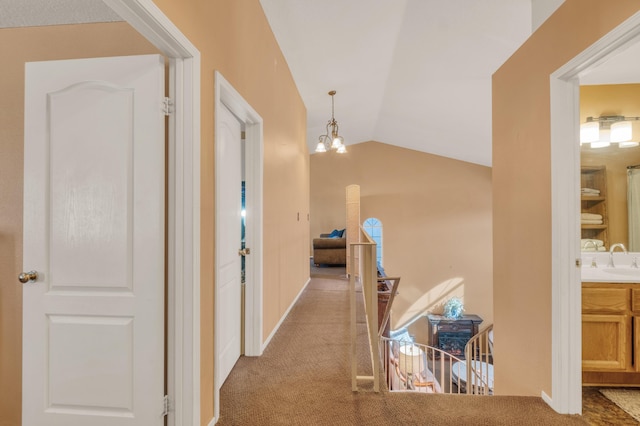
x,y
602,131
331,139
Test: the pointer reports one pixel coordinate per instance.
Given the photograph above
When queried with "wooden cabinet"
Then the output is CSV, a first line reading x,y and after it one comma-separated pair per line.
x,y
610,333
594,177
451,335
604,342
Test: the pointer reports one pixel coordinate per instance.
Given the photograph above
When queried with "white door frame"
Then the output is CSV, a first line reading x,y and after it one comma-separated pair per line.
x,y
565,191
227,95
183,215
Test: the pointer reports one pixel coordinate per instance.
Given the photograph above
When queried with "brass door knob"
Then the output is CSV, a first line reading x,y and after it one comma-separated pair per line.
x,y
244,252
26,277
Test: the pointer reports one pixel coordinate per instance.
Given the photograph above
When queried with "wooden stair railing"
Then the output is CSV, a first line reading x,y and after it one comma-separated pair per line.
x,y
478,354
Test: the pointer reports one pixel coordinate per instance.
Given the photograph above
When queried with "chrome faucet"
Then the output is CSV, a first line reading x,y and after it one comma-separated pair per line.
x,y
593,243
611,250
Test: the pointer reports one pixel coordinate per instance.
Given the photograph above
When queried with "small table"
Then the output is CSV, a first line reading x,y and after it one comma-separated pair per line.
x,y
451,335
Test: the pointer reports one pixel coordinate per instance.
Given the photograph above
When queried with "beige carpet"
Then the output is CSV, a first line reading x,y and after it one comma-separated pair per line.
x,y
627,399
303,379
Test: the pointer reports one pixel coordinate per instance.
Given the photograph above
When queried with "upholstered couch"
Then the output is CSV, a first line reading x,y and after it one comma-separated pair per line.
x,y
329,250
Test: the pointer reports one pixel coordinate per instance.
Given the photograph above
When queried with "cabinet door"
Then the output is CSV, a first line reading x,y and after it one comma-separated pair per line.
x,y
605,341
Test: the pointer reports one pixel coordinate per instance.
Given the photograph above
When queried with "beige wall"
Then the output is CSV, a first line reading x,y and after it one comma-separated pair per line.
x,y
522,189
616,99
233,37
436,216
18,46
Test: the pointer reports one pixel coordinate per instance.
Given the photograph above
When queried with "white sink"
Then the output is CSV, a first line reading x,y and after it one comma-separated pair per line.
x,y
627,272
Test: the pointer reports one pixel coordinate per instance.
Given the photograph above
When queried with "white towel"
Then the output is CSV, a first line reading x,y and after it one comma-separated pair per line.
x,y
593,249
590,191
598,243
590,216
591,222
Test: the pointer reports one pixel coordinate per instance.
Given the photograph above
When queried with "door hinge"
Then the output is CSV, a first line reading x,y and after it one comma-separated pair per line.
x,y
165,406
167,106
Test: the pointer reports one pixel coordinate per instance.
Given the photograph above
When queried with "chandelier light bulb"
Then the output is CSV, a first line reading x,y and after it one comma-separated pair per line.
x,y
331,139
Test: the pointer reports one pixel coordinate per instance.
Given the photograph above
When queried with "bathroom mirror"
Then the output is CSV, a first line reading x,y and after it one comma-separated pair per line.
x,y
616,99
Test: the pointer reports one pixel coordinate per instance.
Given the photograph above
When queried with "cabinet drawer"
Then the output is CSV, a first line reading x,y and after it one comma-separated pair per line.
x,y
456,326
635,300
605,300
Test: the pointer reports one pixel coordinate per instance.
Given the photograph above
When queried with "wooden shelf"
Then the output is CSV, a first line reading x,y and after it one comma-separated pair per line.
x,y
586,226
594,177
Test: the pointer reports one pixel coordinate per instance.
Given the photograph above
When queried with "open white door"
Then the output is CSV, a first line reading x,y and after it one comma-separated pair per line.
x,y
228,225
93,319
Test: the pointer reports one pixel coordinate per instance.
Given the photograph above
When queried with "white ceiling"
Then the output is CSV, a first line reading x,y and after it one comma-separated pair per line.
x,y
413,73
31,13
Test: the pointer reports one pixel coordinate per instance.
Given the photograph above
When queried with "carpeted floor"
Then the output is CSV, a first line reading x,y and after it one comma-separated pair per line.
x,y
303,379
327,271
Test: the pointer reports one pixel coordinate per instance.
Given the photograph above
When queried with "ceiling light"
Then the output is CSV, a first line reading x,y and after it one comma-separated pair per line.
x,y
604,141
331,139
621,131
601,131
589,132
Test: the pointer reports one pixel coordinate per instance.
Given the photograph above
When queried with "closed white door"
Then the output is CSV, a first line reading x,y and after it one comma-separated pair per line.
x,y
93,319
228,227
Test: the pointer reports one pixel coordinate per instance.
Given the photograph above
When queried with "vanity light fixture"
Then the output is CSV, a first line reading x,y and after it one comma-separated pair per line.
x,y
602,131
331,139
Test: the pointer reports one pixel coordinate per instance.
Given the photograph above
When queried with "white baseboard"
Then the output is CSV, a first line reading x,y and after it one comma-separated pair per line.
x,y
546,398
213,422
277,327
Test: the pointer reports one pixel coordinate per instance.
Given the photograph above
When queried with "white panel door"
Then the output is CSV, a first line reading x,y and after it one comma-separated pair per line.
x,y
228,226
93,320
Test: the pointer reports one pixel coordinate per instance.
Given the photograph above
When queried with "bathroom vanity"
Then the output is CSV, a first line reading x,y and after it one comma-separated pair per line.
x,y
611,323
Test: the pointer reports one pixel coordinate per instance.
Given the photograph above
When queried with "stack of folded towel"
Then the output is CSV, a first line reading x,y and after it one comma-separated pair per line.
x,y
590,191
590,219
591,244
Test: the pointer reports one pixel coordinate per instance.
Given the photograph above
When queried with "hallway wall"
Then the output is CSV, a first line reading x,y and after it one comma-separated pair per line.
x,y
436,217
522,189
234,37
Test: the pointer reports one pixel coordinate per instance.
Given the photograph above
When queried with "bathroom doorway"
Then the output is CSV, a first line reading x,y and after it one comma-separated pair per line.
x,y
565,155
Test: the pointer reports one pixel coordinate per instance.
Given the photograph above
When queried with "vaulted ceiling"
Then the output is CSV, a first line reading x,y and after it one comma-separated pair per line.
x,y
412,73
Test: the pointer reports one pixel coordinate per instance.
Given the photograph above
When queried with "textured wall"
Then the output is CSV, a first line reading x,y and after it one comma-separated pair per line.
x,y
436,216
234,37
522,189
17,47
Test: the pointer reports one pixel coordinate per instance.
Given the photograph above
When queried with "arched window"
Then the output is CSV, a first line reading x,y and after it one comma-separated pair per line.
x,y
374,228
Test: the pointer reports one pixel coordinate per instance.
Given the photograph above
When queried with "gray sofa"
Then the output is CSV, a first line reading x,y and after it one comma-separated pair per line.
x,y
329,251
